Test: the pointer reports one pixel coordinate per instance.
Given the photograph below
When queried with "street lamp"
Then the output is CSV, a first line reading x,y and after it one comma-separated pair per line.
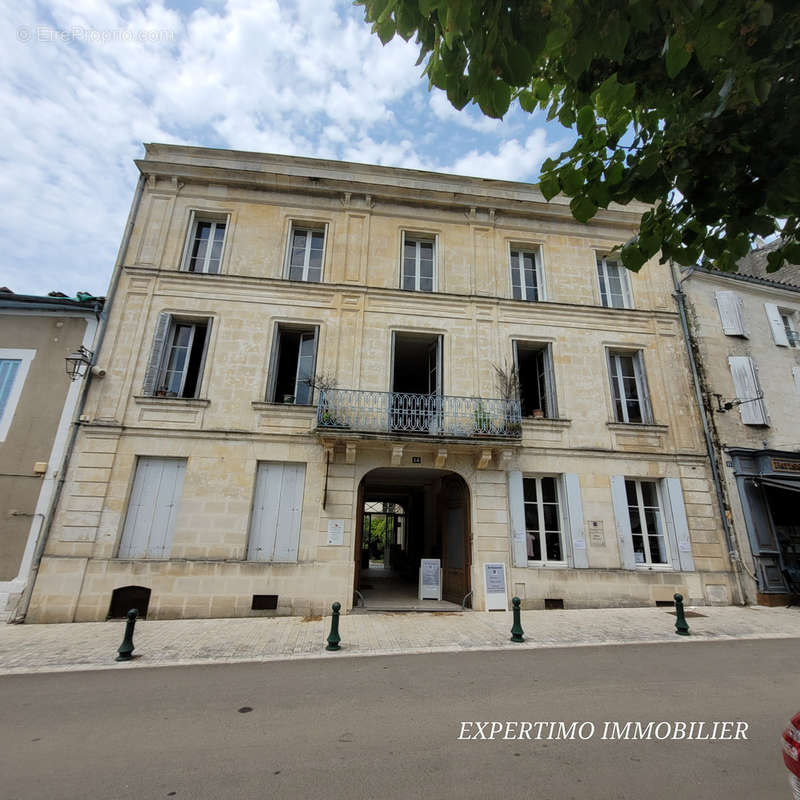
x,y
78,363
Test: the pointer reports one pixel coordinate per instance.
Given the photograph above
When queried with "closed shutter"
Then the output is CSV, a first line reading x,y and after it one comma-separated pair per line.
x,y
156,355
277,511
152,508
731,313
516,508
676,519
572,490
745,384
776,325
620,502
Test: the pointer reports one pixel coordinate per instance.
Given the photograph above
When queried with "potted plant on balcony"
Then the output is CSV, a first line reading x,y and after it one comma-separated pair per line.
x,y
323,383
507,383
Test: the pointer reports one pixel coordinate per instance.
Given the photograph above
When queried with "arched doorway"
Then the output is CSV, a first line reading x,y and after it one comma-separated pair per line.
x,y
406,515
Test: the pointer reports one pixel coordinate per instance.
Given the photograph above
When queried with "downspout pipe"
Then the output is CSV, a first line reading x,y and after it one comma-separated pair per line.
x,y
25,600
733,552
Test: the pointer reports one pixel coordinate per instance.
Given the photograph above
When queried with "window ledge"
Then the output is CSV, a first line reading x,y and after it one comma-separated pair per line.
x,y
547,422
291,408
547,565
644,427
171,402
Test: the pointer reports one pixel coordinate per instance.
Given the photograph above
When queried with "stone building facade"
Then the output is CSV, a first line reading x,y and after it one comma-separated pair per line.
x,y
38,403
295,345
746,330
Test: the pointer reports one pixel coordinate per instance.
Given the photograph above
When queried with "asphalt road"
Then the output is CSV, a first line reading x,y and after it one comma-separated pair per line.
x,y
388,727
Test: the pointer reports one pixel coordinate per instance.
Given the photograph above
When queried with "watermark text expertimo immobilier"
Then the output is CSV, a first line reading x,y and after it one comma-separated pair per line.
x,y
78,33
608,730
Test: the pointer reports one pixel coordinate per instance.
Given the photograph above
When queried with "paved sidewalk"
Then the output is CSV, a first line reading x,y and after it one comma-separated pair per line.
x,y
93,645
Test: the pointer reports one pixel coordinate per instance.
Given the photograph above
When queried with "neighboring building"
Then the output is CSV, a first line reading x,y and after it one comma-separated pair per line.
x,y
746,328
38,403
219,473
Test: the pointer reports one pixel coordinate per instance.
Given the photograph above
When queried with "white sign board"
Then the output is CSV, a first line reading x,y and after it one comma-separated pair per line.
x,y
430,579
336,531
494,577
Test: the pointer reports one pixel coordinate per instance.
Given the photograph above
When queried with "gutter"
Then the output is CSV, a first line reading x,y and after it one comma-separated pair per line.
x,y
102,317
733,553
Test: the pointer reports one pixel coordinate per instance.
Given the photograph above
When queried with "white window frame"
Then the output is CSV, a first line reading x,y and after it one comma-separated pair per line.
x,y
603,282
309,228
539,289
643,394
789,320
551,399
649,563
25,357
544,561
275,358
419,238
174,322
214,219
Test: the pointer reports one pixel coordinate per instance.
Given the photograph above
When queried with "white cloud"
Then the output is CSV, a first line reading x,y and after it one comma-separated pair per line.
x,y
297,76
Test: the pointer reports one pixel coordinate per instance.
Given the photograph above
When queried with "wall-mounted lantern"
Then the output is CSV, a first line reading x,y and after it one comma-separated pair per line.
x,y
78,363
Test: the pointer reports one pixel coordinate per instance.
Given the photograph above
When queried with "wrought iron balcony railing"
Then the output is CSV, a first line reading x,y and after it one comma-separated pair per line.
x,y
428,414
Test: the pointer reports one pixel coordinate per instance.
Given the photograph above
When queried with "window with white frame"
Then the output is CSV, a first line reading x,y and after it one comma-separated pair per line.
x,y
647,522
205,243
526,273
789,320
419,263
294,354
543,525
629,386
177,357
537,390
14,365
615,287
306,253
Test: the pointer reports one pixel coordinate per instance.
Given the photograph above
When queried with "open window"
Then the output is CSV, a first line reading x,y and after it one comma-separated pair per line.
x,y
306,253
177,357
294,356
534,362
629,386
783,323
615,286
205,243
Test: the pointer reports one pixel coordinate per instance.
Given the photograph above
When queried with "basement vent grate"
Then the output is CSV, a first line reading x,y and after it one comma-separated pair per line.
x,y
553,603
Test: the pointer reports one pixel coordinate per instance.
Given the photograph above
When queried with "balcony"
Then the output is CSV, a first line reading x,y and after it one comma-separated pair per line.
x,y
433,415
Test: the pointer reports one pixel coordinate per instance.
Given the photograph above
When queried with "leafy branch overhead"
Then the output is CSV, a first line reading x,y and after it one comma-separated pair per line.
x,y
689,105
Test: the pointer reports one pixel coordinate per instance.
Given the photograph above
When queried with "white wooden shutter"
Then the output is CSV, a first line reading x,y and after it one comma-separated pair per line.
x,y
516,508
152,508
624,536
156,355
682,556
731,313
796,376
644,390
745,383
277,511
776,324
572,490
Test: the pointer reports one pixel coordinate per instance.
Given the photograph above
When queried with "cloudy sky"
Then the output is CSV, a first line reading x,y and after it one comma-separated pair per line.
x,y
84,83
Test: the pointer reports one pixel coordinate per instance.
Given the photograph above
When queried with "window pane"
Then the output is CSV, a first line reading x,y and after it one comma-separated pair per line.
x,y
531,517
602,281
658,553
410,250
635,519
426,285
314,274
553,539
634,411
550,517
8,372
630,492
409,282
549,490
426,250
529,488
638,550
296,272
534,547
649,494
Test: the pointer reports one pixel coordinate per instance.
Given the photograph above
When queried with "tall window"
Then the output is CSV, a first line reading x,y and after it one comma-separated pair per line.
x,y
629,387
177,358
306,251
647,522
294,356
790,328
203,252
537,391
419,263
526,274
615,288
14,365
542,520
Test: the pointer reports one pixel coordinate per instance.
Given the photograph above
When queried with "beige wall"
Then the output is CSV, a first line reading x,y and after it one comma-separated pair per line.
x,y
229,429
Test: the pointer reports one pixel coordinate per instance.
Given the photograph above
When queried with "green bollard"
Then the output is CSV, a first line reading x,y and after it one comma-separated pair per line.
x,y
125,652
516,628
334,638
681,625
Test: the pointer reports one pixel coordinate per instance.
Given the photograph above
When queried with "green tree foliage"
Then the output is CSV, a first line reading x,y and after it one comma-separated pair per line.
x,y
689,105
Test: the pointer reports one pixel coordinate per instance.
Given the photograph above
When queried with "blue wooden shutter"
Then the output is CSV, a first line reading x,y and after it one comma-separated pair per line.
x,y
516,508
572,490
624,536
156,355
